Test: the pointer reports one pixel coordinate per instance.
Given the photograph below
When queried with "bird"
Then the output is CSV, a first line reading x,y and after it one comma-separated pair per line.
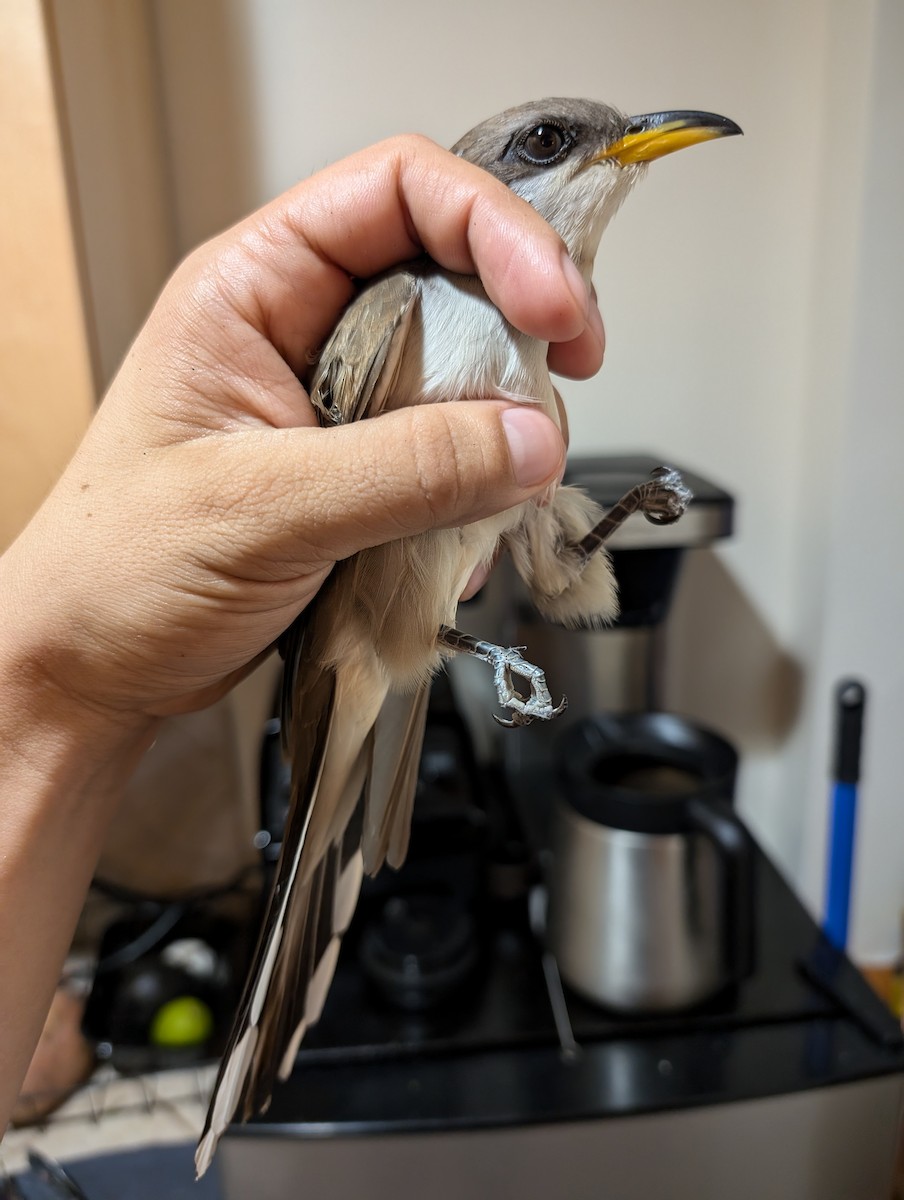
x,y
360,658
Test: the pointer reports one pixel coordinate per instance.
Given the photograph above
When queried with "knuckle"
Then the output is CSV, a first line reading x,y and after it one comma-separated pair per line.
x,y
437,462
412,145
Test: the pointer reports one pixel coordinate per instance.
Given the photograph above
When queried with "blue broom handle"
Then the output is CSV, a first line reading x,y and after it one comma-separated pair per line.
x,y
850,698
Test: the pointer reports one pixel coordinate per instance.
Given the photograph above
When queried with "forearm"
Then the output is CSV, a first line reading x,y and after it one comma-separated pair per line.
x,y
61,771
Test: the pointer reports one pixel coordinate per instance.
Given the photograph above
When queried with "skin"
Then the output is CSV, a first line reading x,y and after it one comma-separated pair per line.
x,y
205,506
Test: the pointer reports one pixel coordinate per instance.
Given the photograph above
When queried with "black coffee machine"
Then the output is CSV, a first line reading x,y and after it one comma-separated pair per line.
x,y
450,1058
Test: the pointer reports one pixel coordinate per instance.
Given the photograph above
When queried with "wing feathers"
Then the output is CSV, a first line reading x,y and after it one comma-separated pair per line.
x,y
222,1108
360,362
348,887
392,781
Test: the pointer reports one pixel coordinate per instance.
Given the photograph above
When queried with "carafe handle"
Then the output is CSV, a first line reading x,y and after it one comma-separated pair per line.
x,y
717,820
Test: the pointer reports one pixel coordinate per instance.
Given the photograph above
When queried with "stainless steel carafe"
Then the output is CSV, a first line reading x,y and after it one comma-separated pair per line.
x,y
651,889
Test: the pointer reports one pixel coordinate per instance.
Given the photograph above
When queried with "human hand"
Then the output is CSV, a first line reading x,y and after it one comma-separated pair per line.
x,y
206,506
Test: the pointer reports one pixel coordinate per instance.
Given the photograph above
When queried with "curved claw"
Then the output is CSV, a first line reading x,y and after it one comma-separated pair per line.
x,y
666,517
520,719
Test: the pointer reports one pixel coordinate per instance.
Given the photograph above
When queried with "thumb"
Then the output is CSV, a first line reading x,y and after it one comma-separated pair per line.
x,y
413,469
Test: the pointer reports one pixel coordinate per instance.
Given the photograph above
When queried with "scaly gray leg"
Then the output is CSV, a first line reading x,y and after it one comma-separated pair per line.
x,y
507,662
662,500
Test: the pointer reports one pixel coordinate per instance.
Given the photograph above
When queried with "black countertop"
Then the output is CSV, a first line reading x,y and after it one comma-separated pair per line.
x,y
805,1019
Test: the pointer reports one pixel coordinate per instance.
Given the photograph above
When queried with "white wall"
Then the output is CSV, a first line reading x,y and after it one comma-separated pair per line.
x,y
747,289
861,586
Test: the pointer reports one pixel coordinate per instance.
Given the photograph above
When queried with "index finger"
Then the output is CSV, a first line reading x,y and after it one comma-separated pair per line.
x,y
387,205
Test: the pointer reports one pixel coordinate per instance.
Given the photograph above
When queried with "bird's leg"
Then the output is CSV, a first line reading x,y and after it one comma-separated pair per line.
x,y
662,499
507,662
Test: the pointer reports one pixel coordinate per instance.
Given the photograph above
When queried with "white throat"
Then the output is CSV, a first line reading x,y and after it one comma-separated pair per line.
x,y
580,205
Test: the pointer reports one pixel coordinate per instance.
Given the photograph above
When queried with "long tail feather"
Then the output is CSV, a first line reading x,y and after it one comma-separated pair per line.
x,y
331,717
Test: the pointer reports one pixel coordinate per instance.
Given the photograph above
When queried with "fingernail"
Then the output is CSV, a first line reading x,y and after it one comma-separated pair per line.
x,y
576,283
534,444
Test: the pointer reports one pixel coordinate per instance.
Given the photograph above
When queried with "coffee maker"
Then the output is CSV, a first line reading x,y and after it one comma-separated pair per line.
x,y
648,867
453,1058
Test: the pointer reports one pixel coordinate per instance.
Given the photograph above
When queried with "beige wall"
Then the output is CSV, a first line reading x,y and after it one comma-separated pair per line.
x,y
112,116
46,381
852,599
86,238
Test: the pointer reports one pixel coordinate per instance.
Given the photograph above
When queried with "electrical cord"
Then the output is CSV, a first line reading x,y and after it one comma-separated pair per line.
x,y
144,942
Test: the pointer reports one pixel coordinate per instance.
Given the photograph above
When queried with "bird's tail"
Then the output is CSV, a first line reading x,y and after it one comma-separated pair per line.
x,y
355,752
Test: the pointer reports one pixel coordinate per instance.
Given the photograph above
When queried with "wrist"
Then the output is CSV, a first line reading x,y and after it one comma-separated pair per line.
x,y
46,729
62,765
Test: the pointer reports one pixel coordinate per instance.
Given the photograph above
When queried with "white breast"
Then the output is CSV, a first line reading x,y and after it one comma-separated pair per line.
x,y
472,351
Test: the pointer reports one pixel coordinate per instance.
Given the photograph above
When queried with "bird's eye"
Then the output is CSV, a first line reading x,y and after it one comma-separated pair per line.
x,y
544,144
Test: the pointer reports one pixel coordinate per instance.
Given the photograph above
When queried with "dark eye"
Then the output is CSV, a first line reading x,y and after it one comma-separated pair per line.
x,y
544,144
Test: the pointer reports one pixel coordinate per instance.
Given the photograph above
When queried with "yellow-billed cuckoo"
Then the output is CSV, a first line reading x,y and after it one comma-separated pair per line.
x,y
359,659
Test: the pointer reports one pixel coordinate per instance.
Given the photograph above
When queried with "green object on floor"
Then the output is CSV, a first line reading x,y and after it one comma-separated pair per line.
x,y
184,1021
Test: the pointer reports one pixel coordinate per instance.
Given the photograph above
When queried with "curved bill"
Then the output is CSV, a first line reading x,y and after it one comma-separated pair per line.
x,y
655,134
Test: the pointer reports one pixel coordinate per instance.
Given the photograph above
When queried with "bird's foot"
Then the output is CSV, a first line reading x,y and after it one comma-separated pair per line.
x,y
666,497
662,499
508,663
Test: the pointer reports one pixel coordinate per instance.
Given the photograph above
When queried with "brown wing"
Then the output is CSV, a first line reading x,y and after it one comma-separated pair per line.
x,y
358,365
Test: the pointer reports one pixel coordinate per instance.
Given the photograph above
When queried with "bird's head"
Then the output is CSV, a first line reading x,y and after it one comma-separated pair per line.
x,y
576,160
